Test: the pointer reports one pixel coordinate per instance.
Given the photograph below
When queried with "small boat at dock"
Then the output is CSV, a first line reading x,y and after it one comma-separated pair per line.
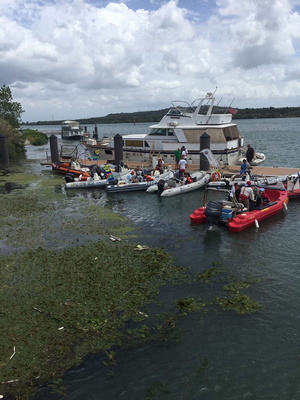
x,y
143,183
70,167
233,214
175,186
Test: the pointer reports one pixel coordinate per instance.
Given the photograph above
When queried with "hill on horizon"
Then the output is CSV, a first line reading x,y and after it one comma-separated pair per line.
x,y
156,116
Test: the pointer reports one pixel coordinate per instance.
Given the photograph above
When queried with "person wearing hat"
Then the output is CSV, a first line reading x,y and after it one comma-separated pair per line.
x,y
247,195
130,177
264,197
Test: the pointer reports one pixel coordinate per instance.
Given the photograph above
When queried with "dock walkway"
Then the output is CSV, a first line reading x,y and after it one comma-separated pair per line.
x,y
226,170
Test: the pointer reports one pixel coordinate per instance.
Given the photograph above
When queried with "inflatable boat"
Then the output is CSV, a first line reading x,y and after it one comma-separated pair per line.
x,y
235,216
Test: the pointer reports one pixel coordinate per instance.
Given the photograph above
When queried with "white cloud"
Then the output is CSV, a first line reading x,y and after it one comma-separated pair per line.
x,y
75,59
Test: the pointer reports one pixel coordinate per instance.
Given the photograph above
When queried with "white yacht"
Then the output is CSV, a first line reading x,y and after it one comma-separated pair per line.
x,y
183,125
70,130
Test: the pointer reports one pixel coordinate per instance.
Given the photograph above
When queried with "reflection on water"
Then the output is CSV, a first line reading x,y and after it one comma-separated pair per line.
x,y
220,355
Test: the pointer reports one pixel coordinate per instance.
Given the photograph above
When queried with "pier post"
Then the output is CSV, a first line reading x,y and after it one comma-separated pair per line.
x,y
54,149
95,135
204,144
118,145
4,150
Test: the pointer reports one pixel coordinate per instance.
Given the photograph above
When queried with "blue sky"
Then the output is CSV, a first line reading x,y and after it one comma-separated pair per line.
x,y
68,59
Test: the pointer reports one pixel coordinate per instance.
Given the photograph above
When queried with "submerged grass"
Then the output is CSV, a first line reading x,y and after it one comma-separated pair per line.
x,y
58,306
66,289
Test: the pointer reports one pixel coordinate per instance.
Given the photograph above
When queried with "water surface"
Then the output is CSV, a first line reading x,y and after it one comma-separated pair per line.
x,y
220,355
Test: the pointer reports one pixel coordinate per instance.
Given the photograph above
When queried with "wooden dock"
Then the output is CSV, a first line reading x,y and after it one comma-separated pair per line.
x,y
226,170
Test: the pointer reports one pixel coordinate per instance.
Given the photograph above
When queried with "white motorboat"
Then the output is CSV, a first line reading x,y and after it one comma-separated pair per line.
x,y
71,130
124,186
183,125
257,180
128,187
174,186
258,159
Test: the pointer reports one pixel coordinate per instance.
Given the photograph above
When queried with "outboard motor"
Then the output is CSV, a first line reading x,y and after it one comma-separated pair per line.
x,y
113,181
101,172
69,177
213,212
160,186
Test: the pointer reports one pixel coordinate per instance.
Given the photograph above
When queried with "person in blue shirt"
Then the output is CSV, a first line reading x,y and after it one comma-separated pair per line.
x,y
245,169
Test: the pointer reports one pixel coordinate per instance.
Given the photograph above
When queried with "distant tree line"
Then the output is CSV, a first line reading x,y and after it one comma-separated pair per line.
x,y
155,116
267,112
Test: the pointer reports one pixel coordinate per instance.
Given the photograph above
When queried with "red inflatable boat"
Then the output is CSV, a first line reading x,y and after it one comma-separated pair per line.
x,y
235,217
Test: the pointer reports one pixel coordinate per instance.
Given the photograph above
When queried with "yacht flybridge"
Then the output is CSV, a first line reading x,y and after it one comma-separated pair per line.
x,y
183,125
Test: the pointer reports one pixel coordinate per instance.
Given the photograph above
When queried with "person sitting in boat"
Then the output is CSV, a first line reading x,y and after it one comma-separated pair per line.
x,y
247,195
245,169
160,165
139,176
188,179
264,197
130,177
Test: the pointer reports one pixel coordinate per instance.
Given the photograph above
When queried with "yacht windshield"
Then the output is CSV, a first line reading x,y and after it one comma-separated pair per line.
x,y
161,132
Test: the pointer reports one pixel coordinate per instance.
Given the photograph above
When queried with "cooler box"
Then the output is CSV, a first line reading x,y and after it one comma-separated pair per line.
x,y
226,214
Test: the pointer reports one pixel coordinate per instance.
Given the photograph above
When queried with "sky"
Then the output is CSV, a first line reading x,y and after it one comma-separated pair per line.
x,y
72,59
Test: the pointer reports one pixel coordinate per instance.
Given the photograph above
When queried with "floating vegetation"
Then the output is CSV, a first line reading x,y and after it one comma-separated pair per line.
x,y
156,390
209,274
236,286
240,303
190,305
67,289
58,306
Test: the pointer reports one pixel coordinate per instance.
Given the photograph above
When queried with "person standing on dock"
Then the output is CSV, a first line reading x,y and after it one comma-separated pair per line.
x,y
182,166
184,152
177,157
250,153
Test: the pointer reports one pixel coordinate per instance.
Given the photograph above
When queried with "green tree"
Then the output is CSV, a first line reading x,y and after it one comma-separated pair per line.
x,y
10,110
15,140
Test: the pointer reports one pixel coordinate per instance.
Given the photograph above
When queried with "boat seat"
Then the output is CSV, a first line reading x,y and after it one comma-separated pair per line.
x,y
271,203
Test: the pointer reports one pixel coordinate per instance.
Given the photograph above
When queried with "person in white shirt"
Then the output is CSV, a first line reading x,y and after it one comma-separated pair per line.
x,y
246,195
182,166
184,152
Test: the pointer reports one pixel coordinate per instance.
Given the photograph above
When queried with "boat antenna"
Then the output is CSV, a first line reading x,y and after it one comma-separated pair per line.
x,y
229,106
